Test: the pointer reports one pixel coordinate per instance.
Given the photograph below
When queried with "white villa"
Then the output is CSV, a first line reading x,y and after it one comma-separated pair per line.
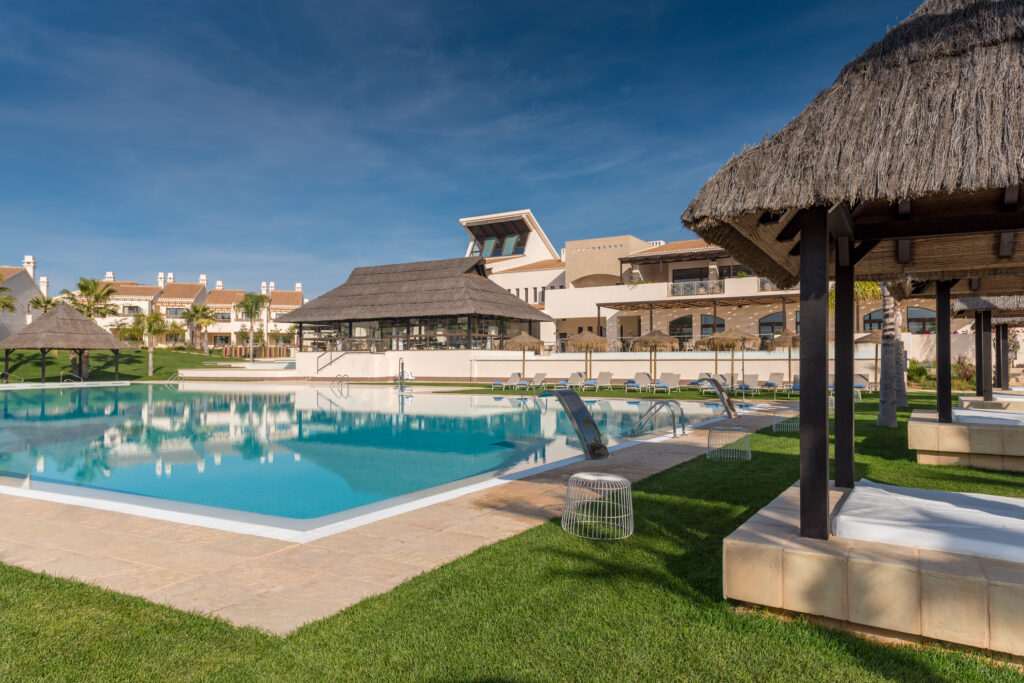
x,y
23,286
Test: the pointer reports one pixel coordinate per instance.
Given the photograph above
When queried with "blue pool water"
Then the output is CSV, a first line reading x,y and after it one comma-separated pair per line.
x,y
290,451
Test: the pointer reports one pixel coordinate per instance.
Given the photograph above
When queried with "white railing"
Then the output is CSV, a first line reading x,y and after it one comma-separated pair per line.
x,y
696,288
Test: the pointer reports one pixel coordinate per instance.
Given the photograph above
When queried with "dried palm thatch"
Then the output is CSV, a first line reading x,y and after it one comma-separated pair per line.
x,y
931,110
1007,306
730,340
64,328
872,337
447,287
586,342
655,341
786,340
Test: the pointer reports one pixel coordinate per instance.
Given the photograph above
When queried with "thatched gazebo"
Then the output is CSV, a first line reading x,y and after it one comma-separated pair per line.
x,y
524,342
986,310
652,342
65,329
907,167
586,342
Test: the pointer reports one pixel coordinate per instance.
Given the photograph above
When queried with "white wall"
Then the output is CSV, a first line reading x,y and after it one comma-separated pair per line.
x,y
23,289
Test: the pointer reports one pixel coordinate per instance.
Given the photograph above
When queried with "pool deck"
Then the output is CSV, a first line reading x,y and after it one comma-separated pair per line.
x,y
277,585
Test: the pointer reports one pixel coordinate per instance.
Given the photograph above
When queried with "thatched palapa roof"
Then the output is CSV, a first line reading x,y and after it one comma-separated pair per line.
x,y
62,327
925,126
655,340
586,341
1005,306
524,342
414,290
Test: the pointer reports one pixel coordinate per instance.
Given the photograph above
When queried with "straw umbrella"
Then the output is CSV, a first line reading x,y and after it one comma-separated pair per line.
x,y
730,339
587,342
788,340
655,341
873,337
524,342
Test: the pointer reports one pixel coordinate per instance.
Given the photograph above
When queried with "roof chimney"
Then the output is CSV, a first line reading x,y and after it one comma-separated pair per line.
x,y
29,264
159,279
44,285
263,288
305,301
220,284
298,286
109,277
272,287
202,279
170,278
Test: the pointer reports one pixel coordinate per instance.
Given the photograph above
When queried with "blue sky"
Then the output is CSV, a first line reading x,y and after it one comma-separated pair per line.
x,y
296,140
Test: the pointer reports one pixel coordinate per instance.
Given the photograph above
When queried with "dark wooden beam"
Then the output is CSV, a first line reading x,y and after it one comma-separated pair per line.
x,y
974,284
795,251
843,252
844,323
998,372
1011,195
950,226
979,385
903,252
943,360
1004,379
903,209
814,461
840,221
863,249
1006,244
791,229
984,368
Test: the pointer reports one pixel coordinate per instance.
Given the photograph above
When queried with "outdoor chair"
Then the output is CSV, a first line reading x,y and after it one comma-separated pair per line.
x,y
537,381
513,382
749,383
639,382
604,379
575,380
667,382
861,382
795,386
775,380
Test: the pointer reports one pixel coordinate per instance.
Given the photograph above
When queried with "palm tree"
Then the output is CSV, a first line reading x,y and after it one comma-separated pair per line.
x,y
148,326
92,299
7,301
250,307
43,303
120,329
888,400
198,317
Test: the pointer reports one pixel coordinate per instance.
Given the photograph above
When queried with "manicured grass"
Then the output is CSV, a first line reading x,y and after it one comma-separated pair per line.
x,y
134,364
538,606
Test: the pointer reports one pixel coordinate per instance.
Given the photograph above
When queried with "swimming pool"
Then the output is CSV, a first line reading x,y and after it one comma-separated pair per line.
x,y
289,452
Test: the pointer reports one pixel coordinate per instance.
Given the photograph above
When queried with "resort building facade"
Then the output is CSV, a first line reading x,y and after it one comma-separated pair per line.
x,y
24,286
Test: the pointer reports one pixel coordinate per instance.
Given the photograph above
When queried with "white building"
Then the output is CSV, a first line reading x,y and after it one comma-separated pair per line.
x,y
23,286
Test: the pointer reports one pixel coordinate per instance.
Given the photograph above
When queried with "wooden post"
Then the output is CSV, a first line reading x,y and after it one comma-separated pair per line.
x,y
985,366
117,365
814,253
997,375
7,365
1004,334
844,375
943,379
978,384
42,369
300,336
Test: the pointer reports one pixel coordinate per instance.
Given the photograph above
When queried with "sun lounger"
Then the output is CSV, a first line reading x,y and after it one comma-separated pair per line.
x,y
537,381
667,382
575,380
513,382
750,384
697,382
604,379
640,382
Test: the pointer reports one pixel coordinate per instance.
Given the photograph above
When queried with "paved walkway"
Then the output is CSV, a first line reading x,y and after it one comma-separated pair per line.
x,y
276,585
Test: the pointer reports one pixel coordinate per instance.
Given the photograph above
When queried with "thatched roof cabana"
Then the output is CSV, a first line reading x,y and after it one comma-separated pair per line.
x,y
923,128
450,287
999,306
63,328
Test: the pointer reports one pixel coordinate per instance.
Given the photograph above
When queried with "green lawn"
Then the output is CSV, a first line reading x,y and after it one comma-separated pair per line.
x,y
134,364
538,606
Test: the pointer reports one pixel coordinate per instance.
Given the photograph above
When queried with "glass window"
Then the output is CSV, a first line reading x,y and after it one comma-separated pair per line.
x,y
872,321
488,249
221,339
689,274
732,271
920,321
770,325
173,312
710,325
535,295
222,315
682,328
510,245
476,249
132,310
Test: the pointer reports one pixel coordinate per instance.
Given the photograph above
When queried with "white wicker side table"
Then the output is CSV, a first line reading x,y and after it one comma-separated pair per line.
x,y
598,506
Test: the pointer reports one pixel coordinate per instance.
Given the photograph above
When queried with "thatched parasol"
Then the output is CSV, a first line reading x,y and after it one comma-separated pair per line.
x,y
730,340
587,342
787,340
655,341
524,342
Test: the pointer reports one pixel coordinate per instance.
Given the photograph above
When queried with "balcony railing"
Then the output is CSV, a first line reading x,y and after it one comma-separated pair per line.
x,y
696,288
766,285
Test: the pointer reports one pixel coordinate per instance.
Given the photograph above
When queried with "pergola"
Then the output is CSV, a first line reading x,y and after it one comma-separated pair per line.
x,y
63,328
907,168
986,311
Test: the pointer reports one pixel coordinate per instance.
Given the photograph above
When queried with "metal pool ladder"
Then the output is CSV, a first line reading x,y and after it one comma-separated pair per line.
x,y
648,417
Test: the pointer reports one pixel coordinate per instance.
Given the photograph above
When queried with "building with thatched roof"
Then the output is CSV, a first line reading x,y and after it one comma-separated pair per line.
x,y
446,304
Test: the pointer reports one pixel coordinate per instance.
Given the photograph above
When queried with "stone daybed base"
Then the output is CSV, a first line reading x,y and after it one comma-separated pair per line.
x,y
991,446
861,586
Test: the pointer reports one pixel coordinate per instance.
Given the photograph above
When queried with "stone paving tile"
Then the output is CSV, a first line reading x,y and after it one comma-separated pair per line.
x,y
140,579
274,613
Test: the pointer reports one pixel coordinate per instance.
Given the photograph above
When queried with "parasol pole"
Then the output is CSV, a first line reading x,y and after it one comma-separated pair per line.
x,y
790,364
524,362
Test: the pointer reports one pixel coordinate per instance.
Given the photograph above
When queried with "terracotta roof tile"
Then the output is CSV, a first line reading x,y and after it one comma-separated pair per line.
x,y
181,291
285,299
132,290
547,264
224,297
679,247
8,271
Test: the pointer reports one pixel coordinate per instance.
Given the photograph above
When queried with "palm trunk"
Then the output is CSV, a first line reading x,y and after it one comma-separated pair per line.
x,y
888,400
206,342
151,355
85,365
